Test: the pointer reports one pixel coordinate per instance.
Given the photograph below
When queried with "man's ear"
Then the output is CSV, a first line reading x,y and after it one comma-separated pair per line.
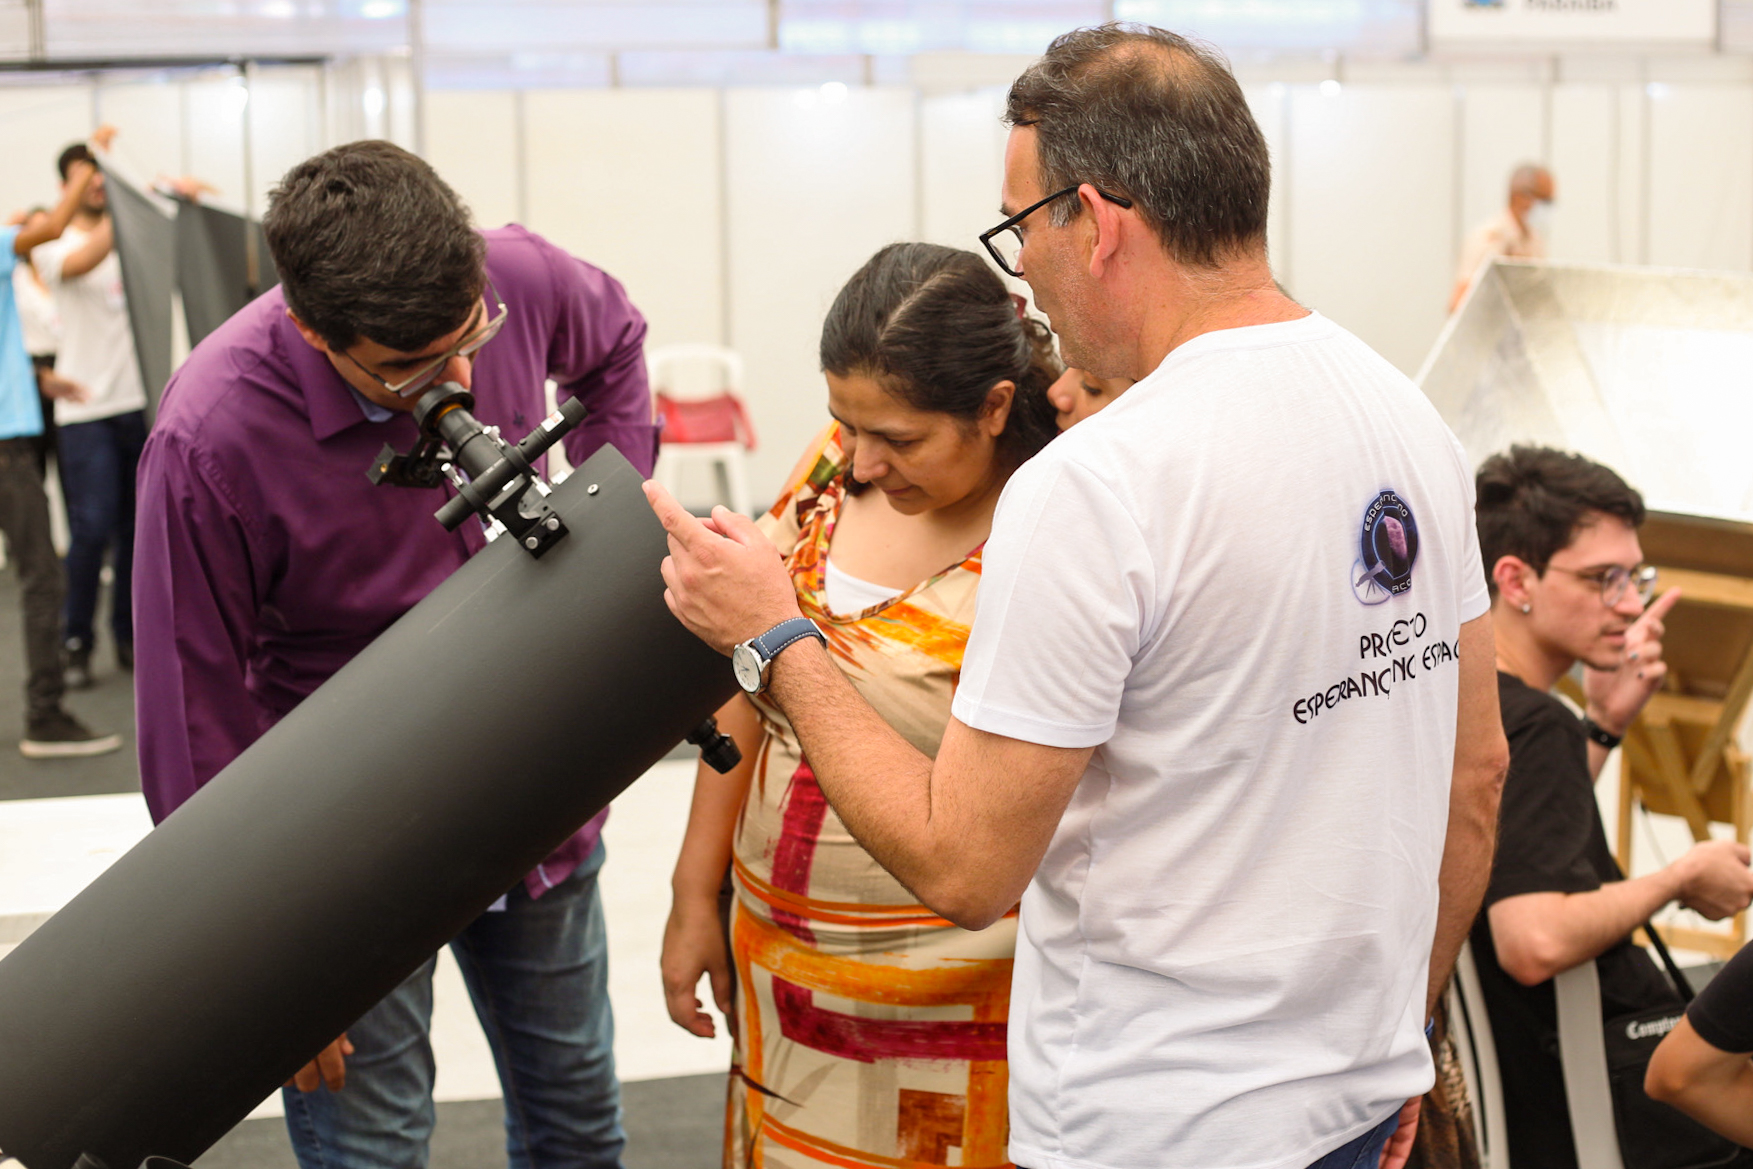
x,y
1105,219
310,335
1514,578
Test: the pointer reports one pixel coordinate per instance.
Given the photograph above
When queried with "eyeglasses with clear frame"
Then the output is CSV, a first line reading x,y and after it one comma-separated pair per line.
x,y
409,386
1615,579
1005,242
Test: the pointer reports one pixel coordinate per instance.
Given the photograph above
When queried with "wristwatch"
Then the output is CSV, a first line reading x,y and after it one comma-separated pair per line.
x,y
751,659
1600,734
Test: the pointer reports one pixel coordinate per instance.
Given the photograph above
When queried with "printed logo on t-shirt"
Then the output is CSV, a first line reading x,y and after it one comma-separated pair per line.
x,y
1390,547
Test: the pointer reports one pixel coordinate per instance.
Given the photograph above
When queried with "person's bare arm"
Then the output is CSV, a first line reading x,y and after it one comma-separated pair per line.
x,y
964,834
89,254
1712,1086
1482,759
1539,935
79,177
693,942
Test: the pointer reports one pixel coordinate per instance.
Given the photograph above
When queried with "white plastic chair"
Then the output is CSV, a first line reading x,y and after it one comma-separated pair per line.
x,y
1470,1027
720,400
1582,1051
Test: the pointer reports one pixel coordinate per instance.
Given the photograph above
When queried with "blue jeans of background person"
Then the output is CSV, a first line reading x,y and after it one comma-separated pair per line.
x,y
538,973
98,462
1363,1152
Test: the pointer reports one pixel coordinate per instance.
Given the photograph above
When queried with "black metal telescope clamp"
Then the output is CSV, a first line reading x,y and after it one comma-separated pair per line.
x,y
501,482
502,485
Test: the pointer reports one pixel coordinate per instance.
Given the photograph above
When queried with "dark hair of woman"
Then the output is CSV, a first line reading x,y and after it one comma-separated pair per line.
x,y
937,328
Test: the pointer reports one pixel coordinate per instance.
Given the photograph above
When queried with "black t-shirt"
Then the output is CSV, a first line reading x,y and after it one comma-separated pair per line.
x,y
1549,840
1722,1014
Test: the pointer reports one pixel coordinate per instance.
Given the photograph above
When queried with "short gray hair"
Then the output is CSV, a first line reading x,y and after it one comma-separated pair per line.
x,y
1148,114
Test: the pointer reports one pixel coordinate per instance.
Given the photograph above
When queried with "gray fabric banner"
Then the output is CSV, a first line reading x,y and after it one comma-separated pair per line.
x,y
212,266
146,244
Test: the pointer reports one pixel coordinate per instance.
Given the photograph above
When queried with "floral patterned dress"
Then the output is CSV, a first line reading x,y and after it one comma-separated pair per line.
x,y
871,1032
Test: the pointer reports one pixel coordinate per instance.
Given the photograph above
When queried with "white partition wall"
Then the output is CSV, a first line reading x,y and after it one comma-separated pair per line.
x,y
1371,208
36,124
472,138
1586,147
961,166
1700,174
1502,126
818,179
629,180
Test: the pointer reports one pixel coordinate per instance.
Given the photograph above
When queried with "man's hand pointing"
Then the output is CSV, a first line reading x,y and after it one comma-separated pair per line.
x,y
725,580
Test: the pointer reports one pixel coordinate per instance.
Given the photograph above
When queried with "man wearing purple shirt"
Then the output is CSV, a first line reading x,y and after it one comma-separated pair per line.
x,y
265,560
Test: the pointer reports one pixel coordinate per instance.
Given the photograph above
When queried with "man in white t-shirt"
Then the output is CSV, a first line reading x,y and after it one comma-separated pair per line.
x,y
99,437
1232,644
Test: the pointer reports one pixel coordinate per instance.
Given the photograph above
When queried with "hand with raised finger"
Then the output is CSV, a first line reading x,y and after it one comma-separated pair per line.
x,y
1615,696
723,578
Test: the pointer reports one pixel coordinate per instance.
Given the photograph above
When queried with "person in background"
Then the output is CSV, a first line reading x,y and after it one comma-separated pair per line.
x,y
1705,1065
1558,536
1231,929
267,560
99,437
50,731
1517,232
1078,393
42,335
937,387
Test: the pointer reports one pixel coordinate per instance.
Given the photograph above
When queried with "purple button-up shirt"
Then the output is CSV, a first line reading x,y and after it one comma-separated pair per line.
x,y
264,560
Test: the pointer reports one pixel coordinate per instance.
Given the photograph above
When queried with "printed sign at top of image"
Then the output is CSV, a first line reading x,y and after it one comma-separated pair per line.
x,y
1542,24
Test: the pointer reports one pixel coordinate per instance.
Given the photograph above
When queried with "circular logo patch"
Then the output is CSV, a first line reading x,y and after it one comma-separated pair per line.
x,y
1389,549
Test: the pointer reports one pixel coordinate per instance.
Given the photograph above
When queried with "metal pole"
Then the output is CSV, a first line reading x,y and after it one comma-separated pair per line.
x,y
417,66
251,256
39,38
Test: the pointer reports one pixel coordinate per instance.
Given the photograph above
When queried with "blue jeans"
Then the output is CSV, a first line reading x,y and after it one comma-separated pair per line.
x,y
98,463
538,973
1362,1152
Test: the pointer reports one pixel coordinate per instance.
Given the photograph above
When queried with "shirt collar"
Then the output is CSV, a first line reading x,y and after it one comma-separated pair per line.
x,y
330,403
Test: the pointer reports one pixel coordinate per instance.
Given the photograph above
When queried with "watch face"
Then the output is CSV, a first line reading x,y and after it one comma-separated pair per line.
x,y
746,663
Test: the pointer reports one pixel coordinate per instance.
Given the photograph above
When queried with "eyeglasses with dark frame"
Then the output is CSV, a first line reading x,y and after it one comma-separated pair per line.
x,y
1615,579
1013,242
409,386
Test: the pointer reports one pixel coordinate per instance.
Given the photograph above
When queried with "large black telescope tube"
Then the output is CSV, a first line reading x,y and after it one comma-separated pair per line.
x,y
352,841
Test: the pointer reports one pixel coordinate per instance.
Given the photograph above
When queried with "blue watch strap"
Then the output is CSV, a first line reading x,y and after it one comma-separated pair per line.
x,y
783,634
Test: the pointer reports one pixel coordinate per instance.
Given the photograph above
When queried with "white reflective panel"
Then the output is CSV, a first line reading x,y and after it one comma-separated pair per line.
x,y
629,180
1371,208
1700,175
1364,26
493,26
815,187
37,122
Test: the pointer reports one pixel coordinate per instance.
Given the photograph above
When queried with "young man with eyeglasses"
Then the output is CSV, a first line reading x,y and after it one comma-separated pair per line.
x,y
1558,537
267,560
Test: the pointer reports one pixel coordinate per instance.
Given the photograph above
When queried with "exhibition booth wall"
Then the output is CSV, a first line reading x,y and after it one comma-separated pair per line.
x,y
734,214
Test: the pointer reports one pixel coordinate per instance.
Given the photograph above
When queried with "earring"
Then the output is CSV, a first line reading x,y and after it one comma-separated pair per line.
x,y
1526,608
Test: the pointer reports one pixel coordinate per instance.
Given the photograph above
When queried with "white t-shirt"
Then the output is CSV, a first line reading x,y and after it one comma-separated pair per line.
x,y
36,313
1243,583
97,342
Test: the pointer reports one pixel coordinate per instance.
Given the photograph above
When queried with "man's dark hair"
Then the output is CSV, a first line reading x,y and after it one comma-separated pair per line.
x,y
78,152
1531,500
936,327
370,242
1157,118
